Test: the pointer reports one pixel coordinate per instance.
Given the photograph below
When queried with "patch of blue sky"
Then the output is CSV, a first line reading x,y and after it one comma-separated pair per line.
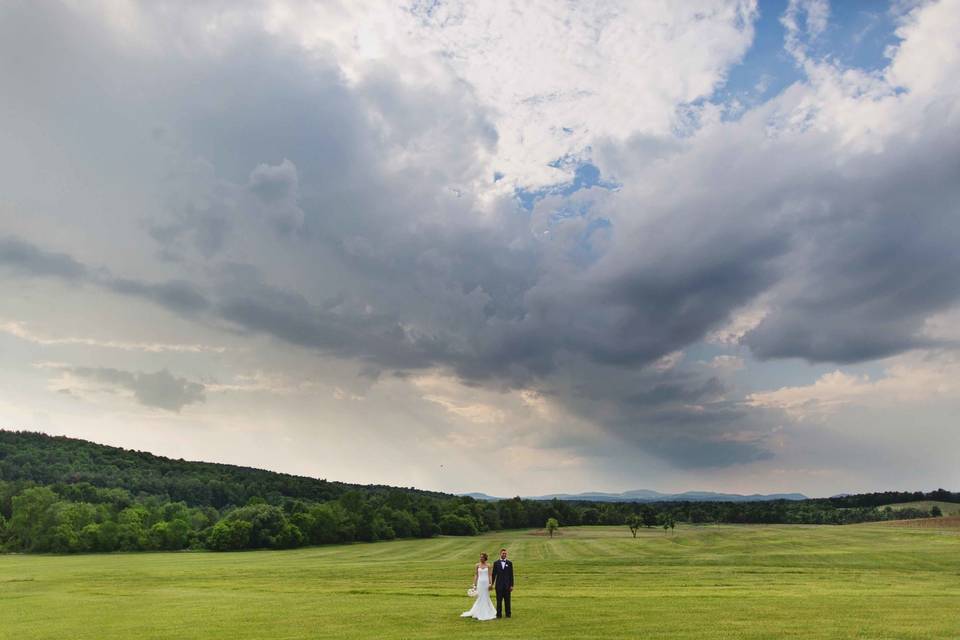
x,y
571,209
590,242
766,69
585,176
859,34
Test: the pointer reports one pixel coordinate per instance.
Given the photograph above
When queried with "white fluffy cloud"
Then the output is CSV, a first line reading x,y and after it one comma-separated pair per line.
x,y
555,77
909,381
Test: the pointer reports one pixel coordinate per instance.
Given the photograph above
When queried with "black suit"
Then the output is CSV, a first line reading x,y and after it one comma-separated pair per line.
x,y
503,582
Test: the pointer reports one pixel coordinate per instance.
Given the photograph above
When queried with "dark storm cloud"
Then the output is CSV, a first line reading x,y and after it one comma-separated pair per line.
x,y
696,452
660,303
673,415
867,277
291,318
672,391
27,259
681,415
177,295
160,389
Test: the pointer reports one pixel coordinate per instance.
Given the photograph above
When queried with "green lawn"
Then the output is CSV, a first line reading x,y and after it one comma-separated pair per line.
x,y
864,581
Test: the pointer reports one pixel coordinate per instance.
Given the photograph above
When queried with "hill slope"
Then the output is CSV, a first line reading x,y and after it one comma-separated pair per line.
x,y
47,460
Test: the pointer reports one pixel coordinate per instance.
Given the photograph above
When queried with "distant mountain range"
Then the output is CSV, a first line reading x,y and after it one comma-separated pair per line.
x,y
646,495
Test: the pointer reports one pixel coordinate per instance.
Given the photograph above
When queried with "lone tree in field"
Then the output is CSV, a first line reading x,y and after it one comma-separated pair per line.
x,y
552,525
634,522
936,512
667,521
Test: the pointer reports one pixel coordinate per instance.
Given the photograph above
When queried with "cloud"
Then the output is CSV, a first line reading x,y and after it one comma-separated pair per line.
x,y
803,20
686,416
555,78
19,330
877,263
25,258
262,382
177,295
911,380
277,188
741,321
161,389
726,363
340,330
274,183
326,179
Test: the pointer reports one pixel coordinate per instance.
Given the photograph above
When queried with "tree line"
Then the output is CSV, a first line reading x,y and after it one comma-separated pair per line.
x,y
80,517
65,495
62,494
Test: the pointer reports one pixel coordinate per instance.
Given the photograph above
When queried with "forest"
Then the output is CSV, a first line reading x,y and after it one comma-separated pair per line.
x,y
65,495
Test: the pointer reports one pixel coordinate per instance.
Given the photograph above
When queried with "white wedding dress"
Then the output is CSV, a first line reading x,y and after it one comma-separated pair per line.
x,y
482,608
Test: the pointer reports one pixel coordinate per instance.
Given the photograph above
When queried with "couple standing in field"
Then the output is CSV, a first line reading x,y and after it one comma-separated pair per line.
x,y
485,578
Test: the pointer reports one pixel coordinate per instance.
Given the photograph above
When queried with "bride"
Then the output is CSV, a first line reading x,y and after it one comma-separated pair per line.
x,y
482,608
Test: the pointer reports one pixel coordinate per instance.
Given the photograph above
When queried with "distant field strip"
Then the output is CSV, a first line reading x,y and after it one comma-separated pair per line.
x,y
947,508
827,582
946,522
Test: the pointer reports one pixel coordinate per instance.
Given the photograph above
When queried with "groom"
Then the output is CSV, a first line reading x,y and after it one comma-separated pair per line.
x,y
503,579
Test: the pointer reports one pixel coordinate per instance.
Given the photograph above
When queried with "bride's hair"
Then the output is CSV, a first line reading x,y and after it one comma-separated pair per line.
x,y
483,557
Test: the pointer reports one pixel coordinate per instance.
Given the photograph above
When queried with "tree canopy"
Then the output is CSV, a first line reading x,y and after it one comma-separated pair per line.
x,y
66,495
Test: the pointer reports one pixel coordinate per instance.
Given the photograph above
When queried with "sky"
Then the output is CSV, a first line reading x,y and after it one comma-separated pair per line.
x,y
514,247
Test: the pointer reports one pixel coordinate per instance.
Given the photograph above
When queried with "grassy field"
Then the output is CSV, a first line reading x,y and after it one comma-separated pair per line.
x,y
864,581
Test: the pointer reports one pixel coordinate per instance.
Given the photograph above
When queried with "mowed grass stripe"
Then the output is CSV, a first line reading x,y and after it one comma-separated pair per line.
x,y
599,582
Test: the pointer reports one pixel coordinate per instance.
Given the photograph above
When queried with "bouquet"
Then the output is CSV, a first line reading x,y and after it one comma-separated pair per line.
x,y
472,592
